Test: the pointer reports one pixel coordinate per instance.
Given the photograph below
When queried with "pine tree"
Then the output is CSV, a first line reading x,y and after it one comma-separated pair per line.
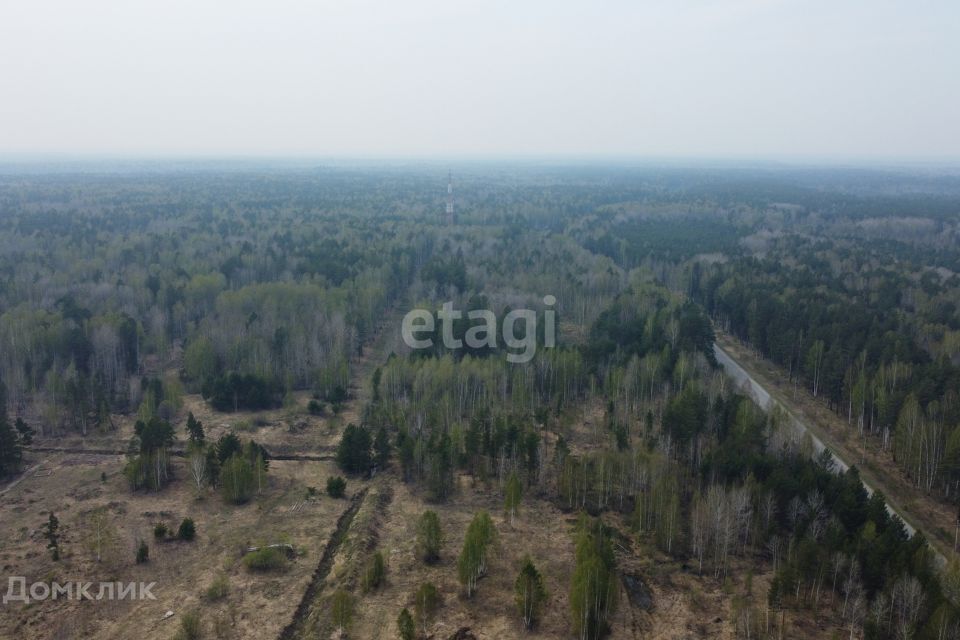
x,y
194,430
10,452
353,452
405,626
50,532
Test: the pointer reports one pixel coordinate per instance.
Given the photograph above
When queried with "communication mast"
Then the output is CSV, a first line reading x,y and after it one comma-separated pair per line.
x,y
451,217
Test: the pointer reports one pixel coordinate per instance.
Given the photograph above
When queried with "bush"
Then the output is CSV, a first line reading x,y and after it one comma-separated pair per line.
x,y
265,559
375,572
160,531
187,530
190,627
219,588
315,408
405,626
336,486
143,552
341,610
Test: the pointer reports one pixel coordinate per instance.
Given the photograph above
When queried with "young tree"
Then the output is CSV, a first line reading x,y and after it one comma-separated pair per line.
x,y
530,593
426,601
375,573
336,486
513,493
142,554
353,452
100,532
194,430
472,563
198,468
429,537
593,589
187,530
50,532
405,626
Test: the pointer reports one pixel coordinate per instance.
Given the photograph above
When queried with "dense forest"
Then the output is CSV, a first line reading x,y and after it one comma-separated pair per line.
x,y
267,294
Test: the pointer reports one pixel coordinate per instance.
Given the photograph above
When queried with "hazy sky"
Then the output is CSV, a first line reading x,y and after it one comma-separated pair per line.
x,y
838,78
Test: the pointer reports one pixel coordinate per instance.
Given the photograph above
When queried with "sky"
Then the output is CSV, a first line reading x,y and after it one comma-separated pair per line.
x,y
868,79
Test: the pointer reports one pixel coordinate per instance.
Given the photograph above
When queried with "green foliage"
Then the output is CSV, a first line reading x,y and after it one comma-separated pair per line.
x,y
219,588
237,479
381,447
315,407
426,601
240,391
512,495
187,530
472,563
429,537
336,487
265,559
190,626
142,554
228,445
200,359
12,440
594,588
341,610
160,531
375,573
406,628
148,463
530,593
353,452
51,533
194,430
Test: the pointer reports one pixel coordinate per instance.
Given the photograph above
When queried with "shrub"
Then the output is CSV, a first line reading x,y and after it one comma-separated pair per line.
x,y
315,408
190,627
160,531
265,559
341,610
143,552
336,486
187,530
375,572
405,626
219,588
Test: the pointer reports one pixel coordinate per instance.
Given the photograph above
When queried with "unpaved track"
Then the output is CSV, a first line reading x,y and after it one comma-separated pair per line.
x,y
297,627
821,441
